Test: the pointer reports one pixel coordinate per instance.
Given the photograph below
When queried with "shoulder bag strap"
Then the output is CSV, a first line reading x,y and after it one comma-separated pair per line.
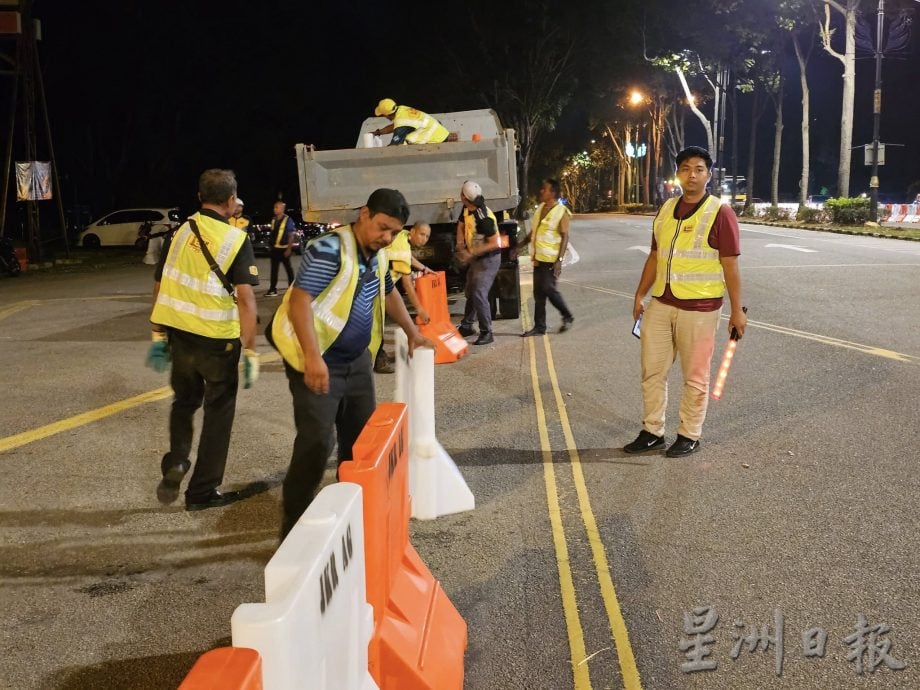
x,y
221,276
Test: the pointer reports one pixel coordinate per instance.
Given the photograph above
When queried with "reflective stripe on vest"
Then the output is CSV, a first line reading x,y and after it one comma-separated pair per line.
x,y
191,298
332,306
547,238
685,259
469,226
427,129
282,224
400,253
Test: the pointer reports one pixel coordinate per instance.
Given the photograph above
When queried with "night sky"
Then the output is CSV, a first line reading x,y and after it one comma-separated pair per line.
x,y
145,95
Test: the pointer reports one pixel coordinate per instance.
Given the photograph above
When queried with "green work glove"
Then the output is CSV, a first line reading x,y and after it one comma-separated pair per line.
x,y
158,355
250,368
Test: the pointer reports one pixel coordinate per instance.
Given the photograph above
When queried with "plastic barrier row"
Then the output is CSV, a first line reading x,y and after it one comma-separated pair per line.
x,y
903,213
349,604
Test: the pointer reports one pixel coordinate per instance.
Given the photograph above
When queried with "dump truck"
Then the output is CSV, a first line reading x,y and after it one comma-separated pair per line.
x,y
335,184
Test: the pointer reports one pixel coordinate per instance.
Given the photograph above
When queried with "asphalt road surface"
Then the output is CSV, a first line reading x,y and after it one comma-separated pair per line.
x,y
581,567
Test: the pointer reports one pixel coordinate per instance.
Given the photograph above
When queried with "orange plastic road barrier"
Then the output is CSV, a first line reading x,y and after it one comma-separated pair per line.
x,y
432,293
419,636
226,668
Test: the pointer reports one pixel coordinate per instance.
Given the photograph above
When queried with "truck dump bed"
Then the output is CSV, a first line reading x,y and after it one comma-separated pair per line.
x,y
334,184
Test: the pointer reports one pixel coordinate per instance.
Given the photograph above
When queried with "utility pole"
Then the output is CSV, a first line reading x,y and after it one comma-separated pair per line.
x,y
876,111
28,96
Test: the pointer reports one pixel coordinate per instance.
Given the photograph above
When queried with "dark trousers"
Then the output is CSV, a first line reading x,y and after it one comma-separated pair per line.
x,y
544,287
204,370
479,278
277,257
321,421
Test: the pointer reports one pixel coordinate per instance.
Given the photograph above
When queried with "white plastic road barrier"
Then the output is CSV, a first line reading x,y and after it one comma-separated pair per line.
x,y
315,625
435,483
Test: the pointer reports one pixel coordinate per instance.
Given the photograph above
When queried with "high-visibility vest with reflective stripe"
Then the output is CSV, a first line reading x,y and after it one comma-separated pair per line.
x,y
191,298
427,129
547,238
469,225
282,224
685,259
242,222
400,253
332,307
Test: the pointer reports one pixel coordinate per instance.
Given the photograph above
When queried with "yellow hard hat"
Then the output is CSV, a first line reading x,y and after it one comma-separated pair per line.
x,y
386,107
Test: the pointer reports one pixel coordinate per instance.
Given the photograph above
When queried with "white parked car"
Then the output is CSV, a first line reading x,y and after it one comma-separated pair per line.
x,y
124,227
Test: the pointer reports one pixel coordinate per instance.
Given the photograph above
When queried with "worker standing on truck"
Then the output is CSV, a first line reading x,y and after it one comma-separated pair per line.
x,y
409,125
282,239
325,329
402,265
478,247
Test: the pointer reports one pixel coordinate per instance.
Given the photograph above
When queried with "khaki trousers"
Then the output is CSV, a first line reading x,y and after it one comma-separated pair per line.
x,y
668,333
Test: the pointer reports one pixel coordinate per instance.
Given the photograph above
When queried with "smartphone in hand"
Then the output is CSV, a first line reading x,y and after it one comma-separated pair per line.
x,y
636,326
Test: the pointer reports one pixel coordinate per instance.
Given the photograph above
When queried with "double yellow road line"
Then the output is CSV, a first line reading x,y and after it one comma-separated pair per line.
x,y
579,656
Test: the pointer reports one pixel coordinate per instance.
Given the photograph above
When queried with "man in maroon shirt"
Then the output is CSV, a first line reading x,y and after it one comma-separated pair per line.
x,y
692,263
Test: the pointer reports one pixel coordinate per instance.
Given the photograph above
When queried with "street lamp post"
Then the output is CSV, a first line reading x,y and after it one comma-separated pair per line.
x,y
876,111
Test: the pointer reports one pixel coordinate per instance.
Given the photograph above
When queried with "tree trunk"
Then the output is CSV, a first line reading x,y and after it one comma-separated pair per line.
x,y
846,110
707,125
806,120
752,149
777,143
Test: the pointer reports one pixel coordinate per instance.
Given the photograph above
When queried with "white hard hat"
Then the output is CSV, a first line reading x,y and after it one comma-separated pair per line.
x,y
240,201
470,190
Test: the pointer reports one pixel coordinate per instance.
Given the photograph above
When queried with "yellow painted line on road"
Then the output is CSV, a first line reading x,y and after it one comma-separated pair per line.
x,y
17,440
628,668
26,437
17,307
784,330
26,304
576,636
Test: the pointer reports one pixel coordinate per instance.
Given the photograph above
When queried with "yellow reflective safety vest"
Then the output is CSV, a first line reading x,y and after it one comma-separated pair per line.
x,y
242,222
279,234
332,307
191,297
427,129
400,253
547,238
685,259
469,226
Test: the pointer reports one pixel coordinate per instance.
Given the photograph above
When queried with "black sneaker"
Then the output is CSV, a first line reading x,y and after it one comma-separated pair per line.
x,y
271,293
566,324
645,441
215,499
682,446
466,331
532,332
168,489
484,338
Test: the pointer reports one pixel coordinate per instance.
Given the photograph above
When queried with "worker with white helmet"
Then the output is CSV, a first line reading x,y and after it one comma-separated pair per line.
x,y
477,247
238,220
409,125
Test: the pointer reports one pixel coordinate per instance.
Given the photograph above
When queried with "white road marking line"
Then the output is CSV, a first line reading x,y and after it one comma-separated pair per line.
x,y
793,247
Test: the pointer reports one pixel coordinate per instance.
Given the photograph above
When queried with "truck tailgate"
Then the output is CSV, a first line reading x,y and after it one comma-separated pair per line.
x,y
335,183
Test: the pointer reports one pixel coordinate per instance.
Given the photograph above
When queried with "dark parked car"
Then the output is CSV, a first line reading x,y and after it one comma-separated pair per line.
x,y
260,232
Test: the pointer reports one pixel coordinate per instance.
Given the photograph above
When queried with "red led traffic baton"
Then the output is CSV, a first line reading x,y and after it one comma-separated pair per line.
x,y
727,358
